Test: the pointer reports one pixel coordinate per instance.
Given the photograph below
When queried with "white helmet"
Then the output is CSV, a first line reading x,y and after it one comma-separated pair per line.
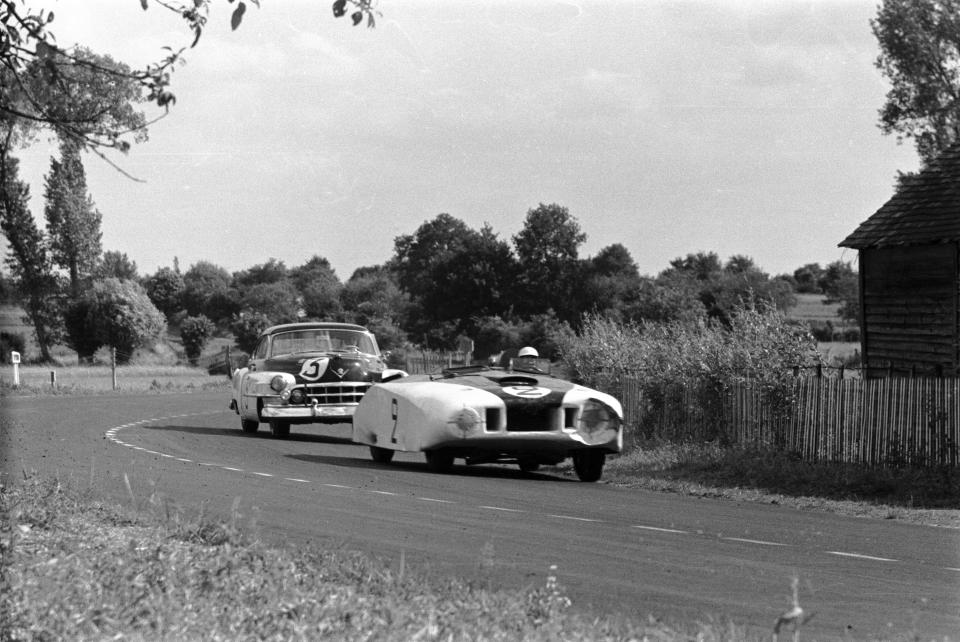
x,y
528,352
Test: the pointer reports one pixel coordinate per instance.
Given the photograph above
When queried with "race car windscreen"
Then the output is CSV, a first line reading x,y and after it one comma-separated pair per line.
x,y
535,365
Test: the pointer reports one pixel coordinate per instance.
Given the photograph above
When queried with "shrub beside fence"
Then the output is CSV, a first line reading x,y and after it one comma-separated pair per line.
x,y
880,422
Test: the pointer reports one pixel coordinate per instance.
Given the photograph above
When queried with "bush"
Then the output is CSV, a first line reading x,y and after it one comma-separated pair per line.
x,y
247,327
195,332
119,314
759,345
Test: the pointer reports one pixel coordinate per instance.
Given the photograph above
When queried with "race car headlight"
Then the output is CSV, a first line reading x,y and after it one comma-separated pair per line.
x,y
297,396
596,417
278,384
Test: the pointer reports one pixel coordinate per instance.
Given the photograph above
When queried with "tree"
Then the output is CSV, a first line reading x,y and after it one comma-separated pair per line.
x,y
165,288
207,290
247,328
807,278
29,260
117,265
920,57
195,332
34,66
277,301
319,288
270,272
120,315
547,249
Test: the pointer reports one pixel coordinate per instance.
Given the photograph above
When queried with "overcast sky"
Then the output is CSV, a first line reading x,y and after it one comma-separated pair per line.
x,y
739,127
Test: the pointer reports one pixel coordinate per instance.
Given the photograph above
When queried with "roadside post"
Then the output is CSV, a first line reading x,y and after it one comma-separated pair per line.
x,y
15,360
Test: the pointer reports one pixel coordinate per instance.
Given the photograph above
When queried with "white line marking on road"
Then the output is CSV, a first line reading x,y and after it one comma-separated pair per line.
x,y
862,557
660,530
753,541
383,492
438,501
210,463
294,479
188,461
262,474
576,519
338,486
505,510
239,470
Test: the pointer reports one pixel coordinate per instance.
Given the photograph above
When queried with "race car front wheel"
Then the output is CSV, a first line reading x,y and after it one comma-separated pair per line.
x,y
588,464
249,425
381,455
439,461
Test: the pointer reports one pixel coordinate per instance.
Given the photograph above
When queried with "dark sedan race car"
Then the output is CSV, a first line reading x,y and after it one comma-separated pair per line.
x,y
518,414
307,373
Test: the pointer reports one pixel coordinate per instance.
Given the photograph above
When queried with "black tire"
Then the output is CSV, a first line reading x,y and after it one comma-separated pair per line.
x,y
249,425
588,464
280,428
381,455
528,466
439,461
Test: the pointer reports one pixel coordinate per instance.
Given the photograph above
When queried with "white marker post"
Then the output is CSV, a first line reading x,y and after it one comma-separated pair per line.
x,y
15,360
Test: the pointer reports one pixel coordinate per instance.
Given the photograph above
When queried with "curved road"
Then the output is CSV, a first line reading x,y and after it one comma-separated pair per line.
x,y
617,551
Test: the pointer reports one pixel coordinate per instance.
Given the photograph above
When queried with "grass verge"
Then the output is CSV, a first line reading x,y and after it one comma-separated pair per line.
x,y
74,568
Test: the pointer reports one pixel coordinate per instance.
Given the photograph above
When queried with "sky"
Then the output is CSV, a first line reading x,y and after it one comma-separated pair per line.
x,y
741,127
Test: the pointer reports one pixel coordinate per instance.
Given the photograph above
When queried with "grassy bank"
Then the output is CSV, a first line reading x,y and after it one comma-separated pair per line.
x,y
44,380
74,568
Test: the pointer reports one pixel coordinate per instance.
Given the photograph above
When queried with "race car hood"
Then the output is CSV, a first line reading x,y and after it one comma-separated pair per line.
x,y
515,388
326,367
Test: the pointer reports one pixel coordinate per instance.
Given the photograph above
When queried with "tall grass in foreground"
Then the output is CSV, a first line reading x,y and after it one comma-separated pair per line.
x,y
77,569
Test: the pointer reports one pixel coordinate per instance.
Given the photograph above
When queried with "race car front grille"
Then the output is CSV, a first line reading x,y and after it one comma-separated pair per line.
x,y
533,418
336,393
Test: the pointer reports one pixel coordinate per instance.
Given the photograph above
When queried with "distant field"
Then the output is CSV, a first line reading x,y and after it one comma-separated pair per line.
x,y
811,307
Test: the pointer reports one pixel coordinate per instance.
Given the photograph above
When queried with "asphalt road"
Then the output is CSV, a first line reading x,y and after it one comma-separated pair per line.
x,y
617,551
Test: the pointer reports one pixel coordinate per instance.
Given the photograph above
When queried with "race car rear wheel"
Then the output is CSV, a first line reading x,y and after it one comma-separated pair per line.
x,y
588,464
249,425
439,461
280,428
381,455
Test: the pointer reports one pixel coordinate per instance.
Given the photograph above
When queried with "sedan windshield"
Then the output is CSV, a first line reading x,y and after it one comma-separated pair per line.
x,y
321,340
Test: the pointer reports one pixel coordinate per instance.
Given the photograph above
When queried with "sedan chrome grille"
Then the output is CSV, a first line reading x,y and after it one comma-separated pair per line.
x,y
336,393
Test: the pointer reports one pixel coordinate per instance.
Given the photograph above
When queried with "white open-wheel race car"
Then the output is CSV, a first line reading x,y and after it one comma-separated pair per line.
x,y
303,373
482,414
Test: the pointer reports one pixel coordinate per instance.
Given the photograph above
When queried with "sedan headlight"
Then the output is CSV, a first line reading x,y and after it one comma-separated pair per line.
x,y
278,384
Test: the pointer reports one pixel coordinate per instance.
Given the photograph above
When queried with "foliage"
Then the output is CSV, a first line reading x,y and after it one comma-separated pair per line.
x,y
319,289
547,249
165,289
279,301
920,57
373,296
247,327
88,98
195,332
120,315
29,259
11,342
759,345
79,322
73,224
117,265
207,290
273,271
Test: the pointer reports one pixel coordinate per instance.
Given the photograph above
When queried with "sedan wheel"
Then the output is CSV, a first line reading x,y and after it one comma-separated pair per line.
x,y
381,455
588,464
439,461
249,425
280,429
528,466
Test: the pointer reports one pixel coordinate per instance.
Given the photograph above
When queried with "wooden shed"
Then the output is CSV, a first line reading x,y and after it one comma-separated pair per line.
x,y
909,278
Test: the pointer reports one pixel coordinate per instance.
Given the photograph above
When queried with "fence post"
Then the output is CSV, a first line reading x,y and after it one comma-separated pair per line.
x,y
53,378
113,366
226,357
15,360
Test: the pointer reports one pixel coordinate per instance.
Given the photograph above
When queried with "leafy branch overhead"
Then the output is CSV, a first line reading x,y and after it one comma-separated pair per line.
x,y
89,98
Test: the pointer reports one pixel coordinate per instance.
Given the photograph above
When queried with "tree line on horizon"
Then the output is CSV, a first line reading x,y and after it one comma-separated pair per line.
x,y
445,281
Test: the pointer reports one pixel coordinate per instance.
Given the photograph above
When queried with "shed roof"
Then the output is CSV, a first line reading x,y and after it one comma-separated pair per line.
x,y
925,210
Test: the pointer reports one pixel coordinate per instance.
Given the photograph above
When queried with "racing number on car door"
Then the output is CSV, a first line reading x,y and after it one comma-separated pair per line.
x,y
393,415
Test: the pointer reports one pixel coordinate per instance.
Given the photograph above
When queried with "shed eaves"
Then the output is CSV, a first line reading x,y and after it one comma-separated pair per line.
x,y
926,210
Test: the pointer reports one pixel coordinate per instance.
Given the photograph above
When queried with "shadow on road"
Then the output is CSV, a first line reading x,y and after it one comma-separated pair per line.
x,y
261,434
461,470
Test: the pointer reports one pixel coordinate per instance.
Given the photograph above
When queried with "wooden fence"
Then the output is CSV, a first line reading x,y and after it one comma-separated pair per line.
x,y
880,422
